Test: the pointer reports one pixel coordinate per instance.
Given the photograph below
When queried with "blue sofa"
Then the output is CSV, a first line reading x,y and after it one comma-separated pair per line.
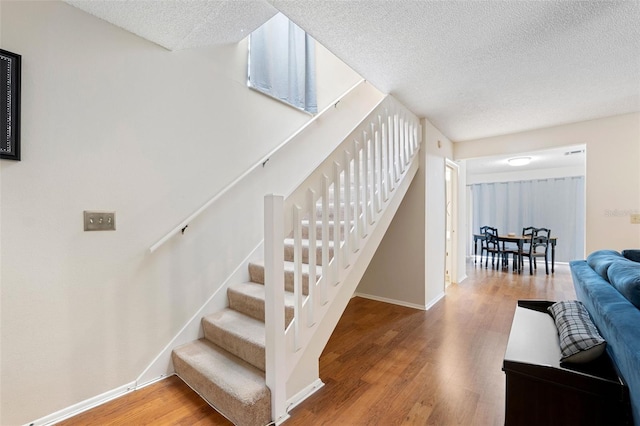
x,y
608,284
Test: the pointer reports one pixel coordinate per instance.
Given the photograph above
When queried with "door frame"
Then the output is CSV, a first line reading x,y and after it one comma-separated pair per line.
x,y
451,197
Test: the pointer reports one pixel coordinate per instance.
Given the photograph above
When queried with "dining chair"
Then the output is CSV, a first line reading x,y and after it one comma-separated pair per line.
x,y
493,247
515,256
483,248
539,247
528,232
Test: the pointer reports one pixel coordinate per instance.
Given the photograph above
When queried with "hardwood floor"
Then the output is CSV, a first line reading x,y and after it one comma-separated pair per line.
x,y
387,364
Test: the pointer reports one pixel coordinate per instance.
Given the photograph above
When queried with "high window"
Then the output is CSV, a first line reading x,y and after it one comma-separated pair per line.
x,y
282,63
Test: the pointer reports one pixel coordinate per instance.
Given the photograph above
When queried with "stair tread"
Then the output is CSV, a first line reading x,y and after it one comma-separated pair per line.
x,y
238,324
249,298
318,222
257,291
290,266
305,242
215,363
331,223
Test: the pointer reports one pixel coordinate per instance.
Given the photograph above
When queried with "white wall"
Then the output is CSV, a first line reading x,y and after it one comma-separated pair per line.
x,y
437,150
113,122
396,272
612,171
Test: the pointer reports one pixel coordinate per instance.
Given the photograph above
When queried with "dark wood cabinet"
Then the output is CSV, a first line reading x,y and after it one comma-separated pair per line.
x,y
542,391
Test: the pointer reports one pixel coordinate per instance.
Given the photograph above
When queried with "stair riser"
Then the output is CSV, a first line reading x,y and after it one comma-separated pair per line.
x,y
256,272
254,307
318,226
332,212
211,386
289,251
248,351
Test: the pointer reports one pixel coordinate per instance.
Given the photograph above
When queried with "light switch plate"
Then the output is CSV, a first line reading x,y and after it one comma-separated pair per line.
x,y
635,219
99,221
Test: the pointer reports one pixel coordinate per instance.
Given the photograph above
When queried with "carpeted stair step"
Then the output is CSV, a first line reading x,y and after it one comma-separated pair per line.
x,y
256,272
289,250
332,211
235,388
237,333
342,192
318,226
248,298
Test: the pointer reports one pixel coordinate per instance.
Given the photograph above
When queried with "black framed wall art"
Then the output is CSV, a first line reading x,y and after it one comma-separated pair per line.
x,y
10,71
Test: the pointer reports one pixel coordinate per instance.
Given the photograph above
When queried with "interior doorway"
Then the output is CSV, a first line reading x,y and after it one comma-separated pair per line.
x,y
548,192
451,215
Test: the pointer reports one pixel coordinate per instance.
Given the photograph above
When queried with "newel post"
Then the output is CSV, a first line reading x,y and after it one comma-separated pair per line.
x,y
274,304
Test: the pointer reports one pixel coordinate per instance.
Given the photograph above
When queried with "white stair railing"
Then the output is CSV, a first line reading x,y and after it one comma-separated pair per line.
x,y
350,189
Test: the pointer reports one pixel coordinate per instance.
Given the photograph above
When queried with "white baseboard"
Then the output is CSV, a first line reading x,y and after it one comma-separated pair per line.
x,y
83,406
392,301
304,394
436,300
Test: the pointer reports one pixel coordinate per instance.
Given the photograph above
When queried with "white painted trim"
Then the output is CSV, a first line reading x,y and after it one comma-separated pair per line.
x,y
305,393
281,421
464,277
161,366
152,382
436,300
455,219
83,406
392,301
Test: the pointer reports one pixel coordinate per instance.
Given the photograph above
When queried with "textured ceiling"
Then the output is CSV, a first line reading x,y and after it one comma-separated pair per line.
x,y
182,24
473,68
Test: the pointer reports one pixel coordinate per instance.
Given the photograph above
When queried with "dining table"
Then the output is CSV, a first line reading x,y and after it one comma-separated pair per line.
x,y
520,240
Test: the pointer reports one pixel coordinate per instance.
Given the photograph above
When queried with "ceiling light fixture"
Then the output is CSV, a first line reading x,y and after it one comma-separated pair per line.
x,y
519,161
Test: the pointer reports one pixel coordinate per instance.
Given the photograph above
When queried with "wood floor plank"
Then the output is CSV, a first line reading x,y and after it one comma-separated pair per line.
x,y
387,364
167,402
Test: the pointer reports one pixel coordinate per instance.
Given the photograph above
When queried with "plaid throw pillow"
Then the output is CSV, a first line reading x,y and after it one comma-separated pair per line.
x,y
580,340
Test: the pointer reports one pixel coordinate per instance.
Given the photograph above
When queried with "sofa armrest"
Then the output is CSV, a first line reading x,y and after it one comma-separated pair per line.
x,y
633,254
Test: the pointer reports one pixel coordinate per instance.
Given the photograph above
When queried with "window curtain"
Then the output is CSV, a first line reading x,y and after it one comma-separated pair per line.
x,y
282,63
557,204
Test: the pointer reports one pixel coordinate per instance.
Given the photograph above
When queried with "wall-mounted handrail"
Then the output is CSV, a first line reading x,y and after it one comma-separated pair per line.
x,y
181,227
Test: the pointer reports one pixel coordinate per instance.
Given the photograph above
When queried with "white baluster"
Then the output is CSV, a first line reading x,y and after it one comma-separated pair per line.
x,y
313,253
397,146
413,139
407,143
377,147
392,141
326,270
371,177
347,210
297,275
365,183
384,149
402,145
374,170
356,202
275,355
336,218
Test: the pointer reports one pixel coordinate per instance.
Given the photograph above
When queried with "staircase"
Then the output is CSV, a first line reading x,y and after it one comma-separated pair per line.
x,y
226,367
249,349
